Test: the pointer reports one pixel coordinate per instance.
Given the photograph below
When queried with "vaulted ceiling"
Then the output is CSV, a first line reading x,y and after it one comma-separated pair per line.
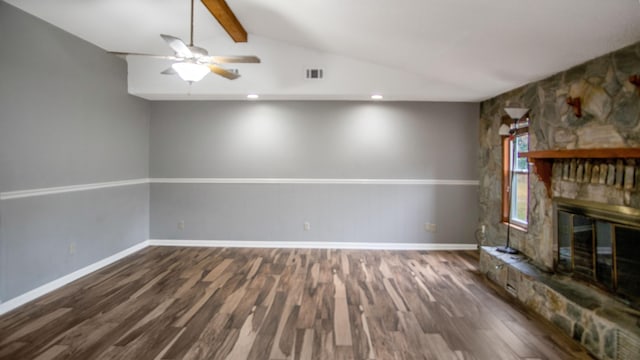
x,y
440,50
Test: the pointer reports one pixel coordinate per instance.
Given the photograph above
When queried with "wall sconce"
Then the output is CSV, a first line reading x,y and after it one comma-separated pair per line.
x,y
575,105
635,80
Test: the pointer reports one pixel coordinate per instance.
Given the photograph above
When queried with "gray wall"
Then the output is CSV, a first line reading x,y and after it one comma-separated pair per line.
x,y
65,119
317,140
328,139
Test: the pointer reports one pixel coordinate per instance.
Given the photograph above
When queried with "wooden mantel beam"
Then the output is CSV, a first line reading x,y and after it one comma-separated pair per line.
x,y
601,153
227,19
543,160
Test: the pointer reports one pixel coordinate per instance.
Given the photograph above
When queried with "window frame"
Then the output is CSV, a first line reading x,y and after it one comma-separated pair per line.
x,y
507,152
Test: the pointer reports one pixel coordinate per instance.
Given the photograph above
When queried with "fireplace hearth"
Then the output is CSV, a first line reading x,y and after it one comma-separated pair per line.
x,y
600,244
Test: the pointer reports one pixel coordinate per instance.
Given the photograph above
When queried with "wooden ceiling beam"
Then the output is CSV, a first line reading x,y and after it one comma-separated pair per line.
x,y
227,19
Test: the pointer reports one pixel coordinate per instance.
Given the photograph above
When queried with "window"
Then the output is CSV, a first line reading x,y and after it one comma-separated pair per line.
x,y
515,208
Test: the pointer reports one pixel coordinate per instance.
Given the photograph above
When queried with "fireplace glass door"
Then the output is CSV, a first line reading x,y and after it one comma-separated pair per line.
x,y
577,251
604,254
600,251
628,261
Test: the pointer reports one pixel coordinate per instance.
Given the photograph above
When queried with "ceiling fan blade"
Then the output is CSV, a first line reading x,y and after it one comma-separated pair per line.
x,y
177,45
169,71
223,72
227,19
164,57
235,59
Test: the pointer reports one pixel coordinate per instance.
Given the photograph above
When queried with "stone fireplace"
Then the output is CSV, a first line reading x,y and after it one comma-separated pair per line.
x,y
578,263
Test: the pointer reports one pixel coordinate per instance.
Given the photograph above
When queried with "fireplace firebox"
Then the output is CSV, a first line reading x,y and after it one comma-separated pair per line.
x,y
600,244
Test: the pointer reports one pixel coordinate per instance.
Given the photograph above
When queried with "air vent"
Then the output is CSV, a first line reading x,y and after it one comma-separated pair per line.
x,y
315,74
628,346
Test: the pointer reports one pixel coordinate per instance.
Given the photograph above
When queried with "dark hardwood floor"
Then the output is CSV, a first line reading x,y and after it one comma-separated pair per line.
x,y
209,303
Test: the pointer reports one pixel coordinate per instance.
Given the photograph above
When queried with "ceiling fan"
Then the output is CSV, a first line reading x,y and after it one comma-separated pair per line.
x,y
193,63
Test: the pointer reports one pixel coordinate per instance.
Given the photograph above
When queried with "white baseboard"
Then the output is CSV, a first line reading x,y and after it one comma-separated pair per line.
x,y
311,245
55,284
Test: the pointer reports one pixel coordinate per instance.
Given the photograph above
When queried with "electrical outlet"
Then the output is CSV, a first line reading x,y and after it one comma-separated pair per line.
x,y
306,226
429,227
72,248
181,224
483,229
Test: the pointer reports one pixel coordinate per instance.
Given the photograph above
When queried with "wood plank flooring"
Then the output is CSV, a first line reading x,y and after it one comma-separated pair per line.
x,y
211,303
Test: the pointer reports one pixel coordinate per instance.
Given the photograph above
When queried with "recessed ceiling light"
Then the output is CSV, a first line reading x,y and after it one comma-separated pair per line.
x,y
253,96
376,97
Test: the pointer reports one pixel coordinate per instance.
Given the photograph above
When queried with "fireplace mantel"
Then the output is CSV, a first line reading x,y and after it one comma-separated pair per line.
x,y
543,160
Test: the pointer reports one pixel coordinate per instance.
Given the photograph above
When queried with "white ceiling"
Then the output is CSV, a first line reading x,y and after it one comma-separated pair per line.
x,y
450,50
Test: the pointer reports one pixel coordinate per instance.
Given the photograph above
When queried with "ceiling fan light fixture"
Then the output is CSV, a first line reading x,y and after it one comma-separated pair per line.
x,y
191,72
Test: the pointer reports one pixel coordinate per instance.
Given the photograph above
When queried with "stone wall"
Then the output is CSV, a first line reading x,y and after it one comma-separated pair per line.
x,y
611,118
